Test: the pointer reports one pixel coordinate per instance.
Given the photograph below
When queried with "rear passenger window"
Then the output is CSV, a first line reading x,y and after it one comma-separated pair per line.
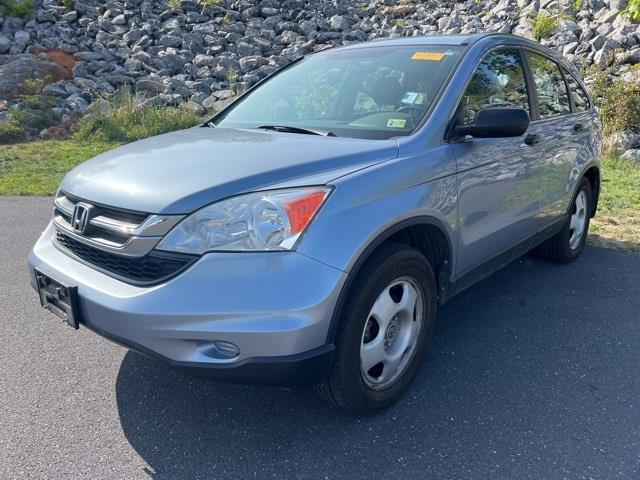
x,y
552,91
498,82
579,96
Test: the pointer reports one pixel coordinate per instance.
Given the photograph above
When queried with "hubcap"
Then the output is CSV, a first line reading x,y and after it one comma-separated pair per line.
x,y
391,333
578,220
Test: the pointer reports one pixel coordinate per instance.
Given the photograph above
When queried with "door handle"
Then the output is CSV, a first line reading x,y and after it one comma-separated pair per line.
x,y
533,138
578,127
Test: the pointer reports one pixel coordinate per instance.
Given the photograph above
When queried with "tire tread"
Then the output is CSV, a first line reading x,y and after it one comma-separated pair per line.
x,y
330,388
556,248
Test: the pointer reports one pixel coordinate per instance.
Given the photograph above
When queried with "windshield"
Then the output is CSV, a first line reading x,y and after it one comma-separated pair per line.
x,y
372,92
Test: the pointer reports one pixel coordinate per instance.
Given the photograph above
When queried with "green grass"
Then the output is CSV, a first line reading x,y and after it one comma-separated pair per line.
x,y
36,168
124,121
617,223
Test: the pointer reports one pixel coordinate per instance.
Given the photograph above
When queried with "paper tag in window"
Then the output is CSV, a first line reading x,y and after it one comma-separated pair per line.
x,y
396,123
435,56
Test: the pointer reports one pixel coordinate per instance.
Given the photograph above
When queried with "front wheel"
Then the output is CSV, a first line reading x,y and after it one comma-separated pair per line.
x,y
566,245
386,323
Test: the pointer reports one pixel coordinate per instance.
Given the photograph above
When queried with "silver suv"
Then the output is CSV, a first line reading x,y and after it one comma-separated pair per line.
x,y
307,233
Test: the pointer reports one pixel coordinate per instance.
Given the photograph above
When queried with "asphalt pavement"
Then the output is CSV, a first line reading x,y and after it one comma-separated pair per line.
x,y
533,373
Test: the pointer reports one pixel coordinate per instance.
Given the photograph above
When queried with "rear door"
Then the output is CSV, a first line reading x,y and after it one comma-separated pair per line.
x,y
559,132
497,177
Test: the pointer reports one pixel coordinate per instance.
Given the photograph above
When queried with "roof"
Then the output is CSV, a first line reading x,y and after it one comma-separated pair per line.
x,y
440,40
423,40
496,38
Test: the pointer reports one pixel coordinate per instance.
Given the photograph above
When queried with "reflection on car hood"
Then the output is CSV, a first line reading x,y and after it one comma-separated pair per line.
x,y
181,171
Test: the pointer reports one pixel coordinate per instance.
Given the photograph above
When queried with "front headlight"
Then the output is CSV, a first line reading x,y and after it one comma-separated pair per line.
x,y
270,220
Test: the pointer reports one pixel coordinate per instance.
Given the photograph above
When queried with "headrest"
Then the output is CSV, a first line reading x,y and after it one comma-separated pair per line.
x,y
387,91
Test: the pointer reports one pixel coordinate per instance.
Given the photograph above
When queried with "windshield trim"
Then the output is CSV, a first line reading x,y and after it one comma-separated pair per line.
x,y
463,48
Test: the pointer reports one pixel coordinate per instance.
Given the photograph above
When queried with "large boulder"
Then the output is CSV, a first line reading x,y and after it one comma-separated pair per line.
x,y
621,142
632,155
15,75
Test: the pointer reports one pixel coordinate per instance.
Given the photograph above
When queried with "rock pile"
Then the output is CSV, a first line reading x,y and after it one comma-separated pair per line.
x,y
200,53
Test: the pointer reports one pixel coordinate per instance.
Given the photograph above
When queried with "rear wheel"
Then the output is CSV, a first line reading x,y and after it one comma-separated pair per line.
x,y
567,244
385,325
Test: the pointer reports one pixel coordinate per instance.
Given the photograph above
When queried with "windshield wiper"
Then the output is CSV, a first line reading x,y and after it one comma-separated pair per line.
x,y
290,129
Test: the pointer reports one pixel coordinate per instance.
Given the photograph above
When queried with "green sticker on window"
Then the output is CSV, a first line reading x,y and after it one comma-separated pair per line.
x,y
396,122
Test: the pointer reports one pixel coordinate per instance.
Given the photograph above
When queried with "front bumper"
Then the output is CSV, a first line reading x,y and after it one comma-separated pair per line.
x,y
276,307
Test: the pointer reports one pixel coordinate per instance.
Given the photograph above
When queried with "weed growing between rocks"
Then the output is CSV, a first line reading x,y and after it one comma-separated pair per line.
x,y
632,10
543,25
576,5
209,3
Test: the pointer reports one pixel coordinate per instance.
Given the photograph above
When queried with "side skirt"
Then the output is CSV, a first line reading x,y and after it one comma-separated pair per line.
x,y
502,259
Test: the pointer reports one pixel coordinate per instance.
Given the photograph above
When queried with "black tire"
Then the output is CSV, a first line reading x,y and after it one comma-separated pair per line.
x,y
344,386
558,248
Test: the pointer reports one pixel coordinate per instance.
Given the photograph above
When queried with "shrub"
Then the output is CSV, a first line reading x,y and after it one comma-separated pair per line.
x,y
618,102
543,25
174,3
32,120
633,10
11,131
28,119
43,103
576,5
401,23
125,121
16,8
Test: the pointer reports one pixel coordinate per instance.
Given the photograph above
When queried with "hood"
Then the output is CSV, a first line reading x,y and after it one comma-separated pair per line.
x,y
182,171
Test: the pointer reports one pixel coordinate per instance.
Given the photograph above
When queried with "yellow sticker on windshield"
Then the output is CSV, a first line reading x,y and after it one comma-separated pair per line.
x,y
396,122
427,56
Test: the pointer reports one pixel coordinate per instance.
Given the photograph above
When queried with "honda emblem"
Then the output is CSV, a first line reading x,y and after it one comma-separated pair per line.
x,y
80,218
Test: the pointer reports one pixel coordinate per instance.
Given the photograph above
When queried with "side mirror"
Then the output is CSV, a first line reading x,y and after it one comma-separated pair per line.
x,y
496,122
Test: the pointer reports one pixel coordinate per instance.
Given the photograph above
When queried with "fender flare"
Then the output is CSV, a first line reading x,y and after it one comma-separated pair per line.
x,y
369,249
596,191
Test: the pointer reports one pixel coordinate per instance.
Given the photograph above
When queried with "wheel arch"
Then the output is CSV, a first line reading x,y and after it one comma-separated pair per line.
x,y
435,243
592,173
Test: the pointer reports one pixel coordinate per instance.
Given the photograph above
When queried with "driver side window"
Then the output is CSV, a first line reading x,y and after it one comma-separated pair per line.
x,y
498,82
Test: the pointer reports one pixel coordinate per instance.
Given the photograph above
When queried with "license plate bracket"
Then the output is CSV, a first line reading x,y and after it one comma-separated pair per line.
x,y
59,299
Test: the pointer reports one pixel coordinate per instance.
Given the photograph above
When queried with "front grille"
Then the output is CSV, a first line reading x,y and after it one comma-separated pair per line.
x,y
108,225
149,269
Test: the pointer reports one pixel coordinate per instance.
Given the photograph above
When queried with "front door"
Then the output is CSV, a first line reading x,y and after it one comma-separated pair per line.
x,y
497,177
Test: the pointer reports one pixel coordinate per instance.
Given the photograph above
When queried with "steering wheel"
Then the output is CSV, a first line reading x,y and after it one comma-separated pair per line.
x,y
419,109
